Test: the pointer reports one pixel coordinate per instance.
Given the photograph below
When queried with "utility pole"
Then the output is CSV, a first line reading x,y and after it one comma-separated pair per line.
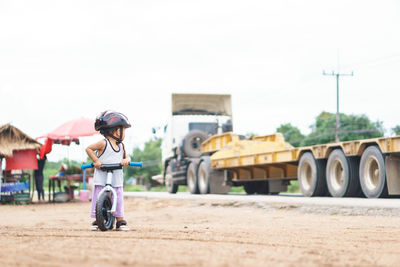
x,y
337,99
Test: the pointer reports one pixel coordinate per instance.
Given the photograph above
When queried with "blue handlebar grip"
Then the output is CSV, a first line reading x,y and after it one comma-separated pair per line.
x,y
87,166
136,164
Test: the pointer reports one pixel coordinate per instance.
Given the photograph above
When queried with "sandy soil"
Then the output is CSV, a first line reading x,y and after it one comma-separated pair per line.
x,y
196,233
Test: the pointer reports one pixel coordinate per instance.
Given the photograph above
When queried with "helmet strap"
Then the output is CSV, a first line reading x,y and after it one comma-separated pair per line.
x,y
116,138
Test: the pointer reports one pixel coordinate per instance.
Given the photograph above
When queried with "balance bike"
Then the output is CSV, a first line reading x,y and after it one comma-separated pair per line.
x,y
106,203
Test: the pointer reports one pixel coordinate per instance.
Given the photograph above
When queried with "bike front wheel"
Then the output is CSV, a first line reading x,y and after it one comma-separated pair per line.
x,y
104,217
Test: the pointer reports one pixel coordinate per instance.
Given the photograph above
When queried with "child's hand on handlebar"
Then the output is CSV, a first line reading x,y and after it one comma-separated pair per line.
x,y
125,162
97,164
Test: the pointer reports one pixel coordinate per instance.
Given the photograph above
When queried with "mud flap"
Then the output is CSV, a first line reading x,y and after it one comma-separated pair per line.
x,y
393,175
277,186
218,183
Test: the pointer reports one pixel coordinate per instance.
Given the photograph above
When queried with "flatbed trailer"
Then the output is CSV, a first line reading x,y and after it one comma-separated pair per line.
x,y
267,164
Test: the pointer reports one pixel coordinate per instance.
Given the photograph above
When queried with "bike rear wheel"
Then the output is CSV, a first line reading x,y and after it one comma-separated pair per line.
x,y
104,217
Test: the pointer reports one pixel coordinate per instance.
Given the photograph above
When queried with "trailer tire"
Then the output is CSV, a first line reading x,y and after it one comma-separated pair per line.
x,y
203,176
372,173
172,188
191,178
250,188
192,143
342,175
310,174
262,187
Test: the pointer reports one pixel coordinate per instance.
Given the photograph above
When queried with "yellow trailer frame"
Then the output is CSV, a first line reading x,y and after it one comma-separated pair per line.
x,y
270,157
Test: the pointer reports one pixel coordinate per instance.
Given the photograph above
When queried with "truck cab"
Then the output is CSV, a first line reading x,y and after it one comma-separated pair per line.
x,y
194,118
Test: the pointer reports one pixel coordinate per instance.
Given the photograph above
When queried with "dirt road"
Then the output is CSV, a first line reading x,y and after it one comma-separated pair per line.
x,y
197,233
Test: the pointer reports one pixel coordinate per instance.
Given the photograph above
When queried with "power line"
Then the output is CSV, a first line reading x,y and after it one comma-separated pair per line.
x,y
337,99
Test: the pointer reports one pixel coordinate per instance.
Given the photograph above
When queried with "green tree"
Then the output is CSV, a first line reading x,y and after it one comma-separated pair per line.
x,y
250,134
291,133
396,130
151,158
352,127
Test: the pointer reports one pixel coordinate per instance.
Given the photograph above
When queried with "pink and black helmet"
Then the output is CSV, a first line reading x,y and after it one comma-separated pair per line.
x,y
110,120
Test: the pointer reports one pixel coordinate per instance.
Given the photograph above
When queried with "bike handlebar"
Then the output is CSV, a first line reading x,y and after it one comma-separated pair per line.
x,y
116,166
87,166
136,164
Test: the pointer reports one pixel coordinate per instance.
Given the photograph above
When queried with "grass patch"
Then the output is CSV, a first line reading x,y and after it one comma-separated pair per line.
x,y
138,188
293,187
237,189
183,188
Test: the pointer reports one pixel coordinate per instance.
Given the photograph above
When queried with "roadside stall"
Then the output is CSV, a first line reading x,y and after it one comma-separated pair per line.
x,y
19,151
62,186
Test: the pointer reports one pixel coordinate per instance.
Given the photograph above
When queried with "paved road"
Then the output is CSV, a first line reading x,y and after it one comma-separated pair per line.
x,y
289,199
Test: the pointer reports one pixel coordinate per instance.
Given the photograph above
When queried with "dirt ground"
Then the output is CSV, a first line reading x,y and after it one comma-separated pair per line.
x,y
196,233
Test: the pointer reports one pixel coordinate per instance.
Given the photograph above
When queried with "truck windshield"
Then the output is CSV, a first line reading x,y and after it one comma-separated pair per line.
x,y
208,127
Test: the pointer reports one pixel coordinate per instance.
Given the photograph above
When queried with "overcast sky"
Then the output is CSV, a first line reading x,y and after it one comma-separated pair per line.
x,y
60,60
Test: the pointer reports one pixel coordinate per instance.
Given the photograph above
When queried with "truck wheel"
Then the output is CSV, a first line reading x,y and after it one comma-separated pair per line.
x,y
310,174
203,175
192,143
262,187
342,175
372,173
250,188
191,178
169,183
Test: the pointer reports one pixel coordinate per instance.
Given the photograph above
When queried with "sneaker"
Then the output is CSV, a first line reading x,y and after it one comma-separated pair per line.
x,y
122,226
94,226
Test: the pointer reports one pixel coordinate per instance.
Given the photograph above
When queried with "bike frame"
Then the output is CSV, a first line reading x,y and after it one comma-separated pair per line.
x,y
108,187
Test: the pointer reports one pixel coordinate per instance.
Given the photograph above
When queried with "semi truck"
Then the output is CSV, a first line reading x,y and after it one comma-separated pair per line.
x,y
194,118
208,157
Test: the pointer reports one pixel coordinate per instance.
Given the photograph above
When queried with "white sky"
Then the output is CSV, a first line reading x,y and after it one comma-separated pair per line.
x,y
60,60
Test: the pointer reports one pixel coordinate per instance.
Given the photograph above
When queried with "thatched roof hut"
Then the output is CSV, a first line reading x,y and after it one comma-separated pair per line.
x,y
11,138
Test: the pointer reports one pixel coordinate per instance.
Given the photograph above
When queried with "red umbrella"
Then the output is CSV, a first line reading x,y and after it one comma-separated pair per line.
x,y
74,129
71,131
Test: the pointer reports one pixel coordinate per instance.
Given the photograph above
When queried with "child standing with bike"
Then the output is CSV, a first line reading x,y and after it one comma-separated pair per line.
x,y
111,150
